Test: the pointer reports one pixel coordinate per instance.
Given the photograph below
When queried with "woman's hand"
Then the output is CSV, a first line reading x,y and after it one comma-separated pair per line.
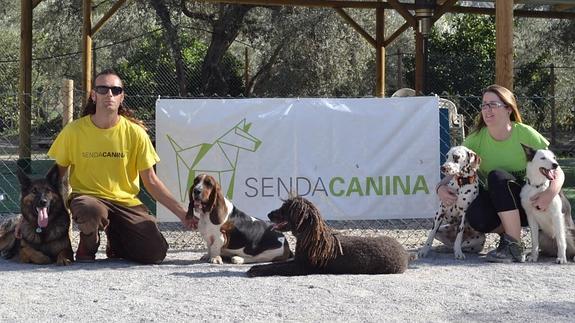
x,y
446,195
541,200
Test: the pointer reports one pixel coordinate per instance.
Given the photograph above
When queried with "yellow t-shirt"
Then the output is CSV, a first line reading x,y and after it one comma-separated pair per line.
x,y
105,162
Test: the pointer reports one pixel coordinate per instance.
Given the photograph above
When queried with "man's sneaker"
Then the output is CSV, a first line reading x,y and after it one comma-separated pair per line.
x,y
508,250
87,249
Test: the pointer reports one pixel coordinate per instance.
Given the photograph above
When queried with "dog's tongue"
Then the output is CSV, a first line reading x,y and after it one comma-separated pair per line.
x,y
42,217
551,174
278,226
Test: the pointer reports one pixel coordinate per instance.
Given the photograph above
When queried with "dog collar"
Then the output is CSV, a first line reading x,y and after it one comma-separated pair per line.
x,y
529,183
466,180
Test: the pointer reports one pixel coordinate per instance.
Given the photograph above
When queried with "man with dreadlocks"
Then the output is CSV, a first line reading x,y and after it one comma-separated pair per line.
x,y
107,152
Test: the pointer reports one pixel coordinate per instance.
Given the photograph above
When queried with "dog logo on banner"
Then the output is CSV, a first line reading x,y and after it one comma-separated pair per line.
x,y
218,158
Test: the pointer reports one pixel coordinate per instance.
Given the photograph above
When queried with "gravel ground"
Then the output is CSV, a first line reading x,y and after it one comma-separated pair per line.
x,y
437,288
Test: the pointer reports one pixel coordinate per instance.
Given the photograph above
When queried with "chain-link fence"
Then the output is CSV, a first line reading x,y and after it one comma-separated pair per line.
x,y
47,122
148,69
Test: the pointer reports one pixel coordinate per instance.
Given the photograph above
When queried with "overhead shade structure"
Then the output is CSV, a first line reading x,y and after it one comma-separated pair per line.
x,y
421,15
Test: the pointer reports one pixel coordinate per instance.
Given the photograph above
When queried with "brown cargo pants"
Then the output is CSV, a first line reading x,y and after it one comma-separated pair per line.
x,y
132,232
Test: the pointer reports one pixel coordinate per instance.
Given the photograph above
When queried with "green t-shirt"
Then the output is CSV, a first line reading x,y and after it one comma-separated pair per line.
x,y
508,154
105,162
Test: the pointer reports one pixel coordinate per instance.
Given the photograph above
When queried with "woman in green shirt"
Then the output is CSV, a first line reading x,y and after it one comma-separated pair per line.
x,y
497,138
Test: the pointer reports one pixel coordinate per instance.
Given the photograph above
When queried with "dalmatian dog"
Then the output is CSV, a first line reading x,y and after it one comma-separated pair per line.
x,y
461,165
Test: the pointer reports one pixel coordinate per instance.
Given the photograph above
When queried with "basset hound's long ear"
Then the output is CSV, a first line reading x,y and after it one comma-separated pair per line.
x,y
217,205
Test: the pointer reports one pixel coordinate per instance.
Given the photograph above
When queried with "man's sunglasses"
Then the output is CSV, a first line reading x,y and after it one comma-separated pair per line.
x,y
102,89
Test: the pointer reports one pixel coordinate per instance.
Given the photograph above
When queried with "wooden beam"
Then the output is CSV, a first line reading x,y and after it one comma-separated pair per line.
x,y
396,34
356,26
504,43
107,16
402,10
380,52
516,13
25,86
385,5
561,7
443,9
87,50
35,3
307,3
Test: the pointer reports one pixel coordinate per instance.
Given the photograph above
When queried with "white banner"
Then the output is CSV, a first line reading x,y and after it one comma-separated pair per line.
x,y
356,159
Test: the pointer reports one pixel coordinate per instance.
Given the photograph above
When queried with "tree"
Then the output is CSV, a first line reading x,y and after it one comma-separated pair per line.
x,y
461,55
534,82
316,54
172,38
541,44
293,50
226,23
148,71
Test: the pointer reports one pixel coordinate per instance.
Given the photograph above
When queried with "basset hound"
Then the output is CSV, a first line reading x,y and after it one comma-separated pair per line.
x,y
229,232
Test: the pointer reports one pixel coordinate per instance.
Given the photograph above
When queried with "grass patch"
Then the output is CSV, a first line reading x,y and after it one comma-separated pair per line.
x,y
570,193
568,166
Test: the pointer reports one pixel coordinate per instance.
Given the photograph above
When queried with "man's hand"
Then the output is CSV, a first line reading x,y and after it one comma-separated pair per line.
x,y
190,223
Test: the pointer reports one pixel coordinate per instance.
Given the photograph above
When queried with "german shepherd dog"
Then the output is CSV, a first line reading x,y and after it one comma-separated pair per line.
x,y
44,223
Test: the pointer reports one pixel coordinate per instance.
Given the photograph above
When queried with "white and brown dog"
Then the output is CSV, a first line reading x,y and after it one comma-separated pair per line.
x,y
556,224
461,165
229,232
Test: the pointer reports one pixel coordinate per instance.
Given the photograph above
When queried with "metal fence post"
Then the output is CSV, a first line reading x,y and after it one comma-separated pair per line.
x,y
553,110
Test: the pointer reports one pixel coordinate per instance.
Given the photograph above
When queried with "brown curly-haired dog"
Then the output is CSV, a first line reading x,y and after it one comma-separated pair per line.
x,y
319,250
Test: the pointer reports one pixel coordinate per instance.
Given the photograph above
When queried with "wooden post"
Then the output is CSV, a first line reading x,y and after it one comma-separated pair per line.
x,y
68,102
380,52
25,88
87,51
504,43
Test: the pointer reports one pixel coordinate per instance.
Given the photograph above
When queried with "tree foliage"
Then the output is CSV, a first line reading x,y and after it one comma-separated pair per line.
x,y
534,82
292,51
151,70
461,55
